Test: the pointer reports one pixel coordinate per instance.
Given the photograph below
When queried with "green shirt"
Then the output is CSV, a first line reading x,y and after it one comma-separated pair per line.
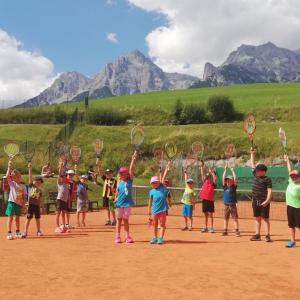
x,y
293,194
188,196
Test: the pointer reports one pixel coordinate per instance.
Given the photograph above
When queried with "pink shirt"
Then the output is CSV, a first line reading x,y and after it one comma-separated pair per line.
x,y
207,191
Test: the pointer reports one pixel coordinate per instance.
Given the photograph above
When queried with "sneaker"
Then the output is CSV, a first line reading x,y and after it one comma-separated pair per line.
x,y
255,237
18,235
190,228
184,229
237,232
107,222
118,240
69,226
204,229
224,233
24,235
268,238
129,240
9,236
39,233
160,241
114,223
154,240
291,244
66,229
211,230
59,229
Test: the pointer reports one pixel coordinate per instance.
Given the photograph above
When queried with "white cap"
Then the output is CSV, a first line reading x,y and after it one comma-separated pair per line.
x,y
69,172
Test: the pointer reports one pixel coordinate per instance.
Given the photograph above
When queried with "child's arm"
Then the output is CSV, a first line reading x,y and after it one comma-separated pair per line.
x,y
234,176
202,171
131,168
30,181
194,201
268,200
288,163
224,174
60,170
8,172
213,175
168,167
99,167
252,158
185,175
169,199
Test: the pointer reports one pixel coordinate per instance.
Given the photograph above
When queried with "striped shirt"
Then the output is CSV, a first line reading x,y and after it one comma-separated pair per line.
x,y
260,188
109,187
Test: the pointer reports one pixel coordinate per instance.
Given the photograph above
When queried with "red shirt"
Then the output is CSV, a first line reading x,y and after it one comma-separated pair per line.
x,y
207,191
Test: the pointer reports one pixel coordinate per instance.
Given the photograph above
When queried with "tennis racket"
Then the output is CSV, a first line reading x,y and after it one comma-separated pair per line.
x,y
27,149
190,161
283,139
11,149
250,127
171,151
98,147
75,153
63,150
198,149
137,136
229,153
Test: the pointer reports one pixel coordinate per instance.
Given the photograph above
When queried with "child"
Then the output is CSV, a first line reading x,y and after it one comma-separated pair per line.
x,y
72,191
16,200
108,194
207,197
63,197
261,195
230,200
189,201
124,201
158,206
82,200
34,202
293,202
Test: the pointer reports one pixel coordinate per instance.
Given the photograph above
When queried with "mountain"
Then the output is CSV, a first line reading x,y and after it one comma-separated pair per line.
x,y
66,86
252,64
129,74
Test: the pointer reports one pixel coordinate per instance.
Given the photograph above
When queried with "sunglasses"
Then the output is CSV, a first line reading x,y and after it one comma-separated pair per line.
x,y
295,176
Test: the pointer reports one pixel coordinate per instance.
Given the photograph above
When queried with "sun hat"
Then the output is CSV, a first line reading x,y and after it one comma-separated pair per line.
x,y
190,180
70,172
123,170
154,179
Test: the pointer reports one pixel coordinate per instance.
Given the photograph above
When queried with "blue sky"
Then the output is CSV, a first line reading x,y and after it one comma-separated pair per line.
x,y
72,33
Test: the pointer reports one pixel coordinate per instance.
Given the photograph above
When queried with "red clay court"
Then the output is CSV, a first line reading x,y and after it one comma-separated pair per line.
x,y
86,264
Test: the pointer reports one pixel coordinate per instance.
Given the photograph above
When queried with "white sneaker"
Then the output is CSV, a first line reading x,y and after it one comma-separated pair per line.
x,y
39,233
18,235
10,236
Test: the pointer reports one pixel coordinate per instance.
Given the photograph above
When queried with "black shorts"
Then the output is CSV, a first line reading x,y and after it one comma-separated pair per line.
x,y
260,211
293,215
208,206
61,205
33,210
105,202
69,205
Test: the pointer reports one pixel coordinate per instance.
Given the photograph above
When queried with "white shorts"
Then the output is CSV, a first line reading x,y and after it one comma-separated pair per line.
x,y
123,212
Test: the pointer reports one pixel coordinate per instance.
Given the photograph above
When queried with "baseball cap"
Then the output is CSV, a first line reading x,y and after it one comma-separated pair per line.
x,y
108,171
123,170
190,180
154,179
39,178
229,177
261,167
84,176
70,172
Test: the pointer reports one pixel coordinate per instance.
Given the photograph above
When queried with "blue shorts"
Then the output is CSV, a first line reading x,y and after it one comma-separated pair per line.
x,y
187,210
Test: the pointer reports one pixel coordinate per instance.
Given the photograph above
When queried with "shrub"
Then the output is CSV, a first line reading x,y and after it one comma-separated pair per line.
x,y
106,117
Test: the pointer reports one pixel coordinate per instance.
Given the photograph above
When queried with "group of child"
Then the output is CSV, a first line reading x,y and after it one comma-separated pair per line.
x,y
118,200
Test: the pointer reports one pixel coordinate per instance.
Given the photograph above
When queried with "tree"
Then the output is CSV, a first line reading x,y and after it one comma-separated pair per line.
x,y
178,111
221,109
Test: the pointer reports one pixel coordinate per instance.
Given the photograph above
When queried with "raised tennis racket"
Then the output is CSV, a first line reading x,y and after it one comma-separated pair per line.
x,y
158,157
27,149
283,139
75,153
11,149
190,161
198,149
250,127
98,147
63,150
137,136
230,152
171,151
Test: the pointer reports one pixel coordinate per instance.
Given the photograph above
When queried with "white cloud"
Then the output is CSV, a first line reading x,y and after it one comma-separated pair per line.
x,y
111,2
199,31
24,74
112,37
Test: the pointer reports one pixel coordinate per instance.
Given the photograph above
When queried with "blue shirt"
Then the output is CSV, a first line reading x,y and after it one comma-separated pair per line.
x,y
229,194
124,190
159,199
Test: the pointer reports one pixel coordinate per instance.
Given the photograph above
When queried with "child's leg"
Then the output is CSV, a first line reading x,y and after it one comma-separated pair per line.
x,y
293,234
57,217
205,219
191,221
226,224
257,225
9,223
27,223
83,218
163,219
185,221
63,217
267,225
236,224
118,227
126,227
211,220
38,224
68,217
17,223
108,214
155,229
113,215
78,223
